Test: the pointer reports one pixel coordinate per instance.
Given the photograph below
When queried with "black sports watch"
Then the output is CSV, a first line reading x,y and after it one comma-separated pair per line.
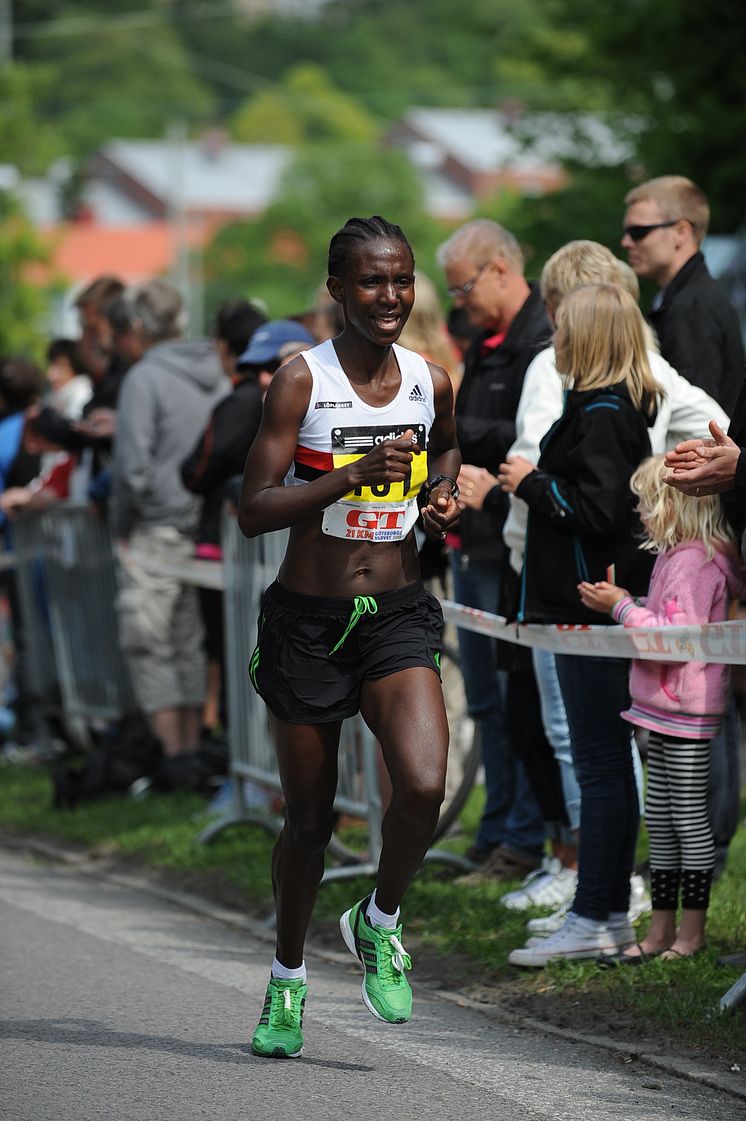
x,y
431,483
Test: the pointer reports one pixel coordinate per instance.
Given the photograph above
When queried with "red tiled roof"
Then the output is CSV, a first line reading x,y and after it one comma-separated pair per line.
x,y
82,251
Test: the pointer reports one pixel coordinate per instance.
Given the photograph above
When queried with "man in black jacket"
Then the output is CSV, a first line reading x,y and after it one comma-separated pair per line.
x,y
483,264
697,326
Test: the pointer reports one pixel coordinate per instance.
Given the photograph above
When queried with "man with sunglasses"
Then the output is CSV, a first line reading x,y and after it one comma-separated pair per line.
x,y
697,327
484,270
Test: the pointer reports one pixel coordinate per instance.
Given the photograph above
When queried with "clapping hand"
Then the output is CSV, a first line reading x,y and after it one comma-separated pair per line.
x,y
701,467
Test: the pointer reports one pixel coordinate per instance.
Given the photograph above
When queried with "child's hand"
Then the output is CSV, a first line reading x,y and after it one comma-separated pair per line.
x,y
512,473
600,596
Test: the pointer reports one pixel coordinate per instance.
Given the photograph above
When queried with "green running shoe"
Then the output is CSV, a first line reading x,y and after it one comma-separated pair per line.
x,y
279,1033
386,990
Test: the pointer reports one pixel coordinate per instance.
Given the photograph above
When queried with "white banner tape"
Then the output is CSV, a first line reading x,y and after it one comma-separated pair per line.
x,y
714,642
724,643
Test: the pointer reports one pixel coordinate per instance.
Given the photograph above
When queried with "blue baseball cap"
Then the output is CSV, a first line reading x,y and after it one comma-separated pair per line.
x,y
269,339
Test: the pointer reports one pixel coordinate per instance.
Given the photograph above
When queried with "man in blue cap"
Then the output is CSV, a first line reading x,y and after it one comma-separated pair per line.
x,y
221,450
271,346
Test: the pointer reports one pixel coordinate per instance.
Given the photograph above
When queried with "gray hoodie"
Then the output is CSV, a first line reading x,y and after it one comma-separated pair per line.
x,y
165,403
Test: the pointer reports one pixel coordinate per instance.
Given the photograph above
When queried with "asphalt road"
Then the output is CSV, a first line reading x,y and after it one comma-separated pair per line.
x,y
117,1004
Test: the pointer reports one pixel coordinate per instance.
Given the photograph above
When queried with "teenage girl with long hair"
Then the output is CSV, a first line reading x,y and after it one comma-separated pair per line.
x,y
582,525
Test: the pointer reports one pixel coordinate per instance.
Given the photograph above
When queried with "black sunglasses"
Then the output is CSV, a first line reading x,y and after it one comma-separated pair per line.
x,y
638,233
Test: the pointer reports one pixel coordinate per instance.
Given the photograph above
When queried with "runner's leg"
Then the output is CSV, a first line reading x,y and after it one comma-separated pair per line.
x,y
307,760
406,713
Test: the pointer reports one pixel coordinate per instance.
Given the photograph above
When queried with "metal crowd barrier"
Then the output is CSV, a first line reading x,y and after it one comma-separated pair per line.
x,y
67,589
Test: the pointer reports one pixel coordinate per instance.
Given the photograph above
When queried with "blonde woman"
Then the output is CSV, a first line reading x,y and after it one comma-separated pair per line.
x,y
697,572
582,526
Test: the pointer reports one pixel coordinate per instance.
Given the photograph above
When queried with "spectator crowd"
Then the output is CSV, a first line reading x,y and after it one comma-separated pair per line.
x,y
603,482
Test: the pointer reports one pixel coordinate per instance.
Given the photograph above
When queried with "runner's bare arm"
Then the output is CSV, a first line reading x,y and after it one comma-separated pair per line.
x,y
444,458
265,503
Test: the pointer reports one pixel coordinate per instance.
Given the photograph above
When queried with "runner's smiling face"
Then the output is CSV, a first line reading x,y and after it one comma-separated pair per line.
x,y
377,290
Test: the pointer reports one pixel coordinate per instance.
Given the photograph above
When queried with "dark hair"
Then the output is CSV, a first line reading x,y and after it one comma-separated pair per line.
x,y
235,323
21,382
356,231
100,292
69,350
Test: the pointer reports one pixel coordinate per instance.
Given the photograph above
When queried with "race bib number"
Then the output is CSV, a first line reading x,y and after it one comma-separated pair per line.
x,y
381,511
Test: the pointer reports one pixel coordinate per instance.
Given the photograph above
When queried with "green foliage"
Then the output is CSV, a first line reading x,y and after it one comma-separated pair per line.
x,y
122,84
267,118
391,55
113,71
26,140
281,256
680,68
23,303
306,108
161,830
337,76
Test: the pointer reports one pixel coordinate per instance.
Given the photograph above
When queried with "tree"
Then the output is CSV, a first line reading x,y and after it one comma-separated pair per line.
x,y
677,68
127,84
23,303
306,108
26,140
589,207
390,55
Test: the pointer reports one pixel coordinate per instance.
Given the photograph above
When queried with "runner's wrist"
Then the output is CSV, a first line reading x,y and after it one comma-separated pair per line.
x,y
441,481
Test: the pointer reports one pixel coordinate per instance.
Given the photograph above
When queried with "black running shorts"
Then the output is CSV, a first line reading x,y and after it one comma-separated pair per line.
x,y
313,653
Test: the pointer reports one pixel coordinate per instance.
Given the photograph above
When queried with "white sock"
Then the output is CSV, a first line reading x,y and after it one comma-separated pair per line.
x,y
282,973
379,918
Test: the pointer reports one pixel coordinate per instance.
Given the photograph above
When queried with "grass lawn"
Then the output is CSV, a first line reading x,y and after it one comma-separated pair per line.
x,y
461,934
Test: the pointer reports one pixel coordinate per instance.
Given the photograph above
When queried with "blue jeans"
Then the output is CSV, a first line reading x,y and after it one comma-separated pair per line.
x,y
595,691
724,786
554,719
511,815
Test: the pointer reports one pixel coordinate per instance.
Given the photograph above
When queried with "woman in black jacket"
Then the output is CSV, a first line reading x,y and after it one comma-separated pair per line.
x,y
583,525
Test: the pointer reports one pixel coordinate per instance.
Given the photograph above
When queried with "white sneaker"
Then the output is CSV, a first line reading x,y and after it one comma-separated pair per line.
x,y
622,934
639,903
551,885
572,941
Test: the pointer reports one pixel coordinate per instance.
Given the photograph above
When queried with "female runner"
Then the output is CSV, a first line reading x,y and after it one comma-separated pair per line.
x,y
356,440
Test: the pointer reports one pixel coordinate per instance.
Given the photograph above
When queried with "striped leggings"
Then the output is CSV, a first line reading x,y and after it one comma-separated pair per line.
x,y
682,850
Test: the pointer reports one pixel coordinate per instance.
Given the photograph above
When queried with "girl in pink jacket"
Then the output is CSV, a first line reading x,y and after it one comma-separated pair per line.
x,y
697,573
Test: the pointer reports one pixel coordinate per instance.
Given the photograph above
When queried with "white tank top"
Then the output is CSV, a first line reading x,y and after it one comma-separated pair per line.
x,y
339,427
